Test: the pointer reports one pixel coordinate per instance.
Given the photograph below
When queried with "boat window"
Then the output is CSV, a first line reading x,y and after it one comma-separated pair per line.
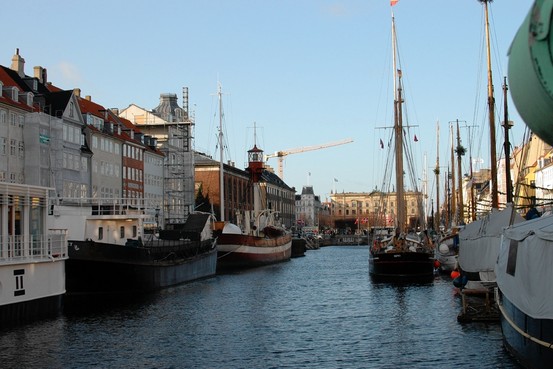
x,y
100,233
122,232
134,231
512,257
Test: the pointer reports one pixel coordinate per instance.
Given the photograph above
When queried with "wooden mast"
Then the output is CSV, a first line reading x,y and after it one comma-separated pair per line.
x,y
221,172
506,145
453,190
437,172
398,132
461,212
491,113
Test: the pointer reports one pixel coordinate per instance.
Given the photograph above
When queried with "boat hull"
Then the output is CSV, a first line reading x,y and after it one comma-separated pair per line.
x,y
244,251
448,263
31,291
528,352
401,265
94,267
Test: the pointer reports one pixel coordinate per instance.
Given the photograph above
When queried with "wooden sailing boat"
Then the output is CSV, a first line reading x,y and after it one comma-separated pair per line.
x,y
523,268
405,255
479,240
257,239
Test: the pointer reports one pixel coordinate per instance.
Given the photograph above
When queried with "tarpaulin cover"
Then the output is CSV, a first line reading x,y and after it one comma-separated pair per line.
x,y
526,279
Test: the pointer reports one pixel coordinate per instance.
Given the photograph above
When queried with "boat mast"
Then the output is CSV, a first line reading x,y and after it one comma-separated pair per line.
x,y
491,113
461,212
398,132
506,145
452,174
437,172
221,172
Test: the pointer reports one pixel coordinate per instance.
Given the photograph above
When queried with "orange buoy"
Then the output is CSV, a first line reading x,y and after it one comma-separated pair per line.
x,y
455,274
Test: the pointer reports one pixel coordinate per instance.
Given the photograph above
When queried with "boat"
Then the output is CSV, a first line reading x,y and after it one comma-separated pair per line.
x,y
447,251
479,240
111,253
32,256
405,255
523,269
525,299
298,247
258,238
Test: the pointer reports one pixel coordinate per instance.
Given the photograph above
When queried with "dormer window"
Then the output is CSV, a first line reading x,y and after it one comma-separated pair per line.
x,y
71,109
30,97
14,94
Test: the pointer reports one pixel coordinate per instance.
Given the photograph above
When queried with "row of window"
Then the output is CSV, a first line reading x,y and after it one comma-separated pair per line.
x,y
153,180
133,174
132,152
73,134
74,162
13,177
74,190
122,233
359,204
15,149
353,212
14,119
106,168
106,145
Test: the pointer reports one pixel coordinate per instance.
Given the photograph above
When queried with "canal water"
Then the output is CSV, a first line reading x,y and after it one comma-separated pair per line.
x,y
318,311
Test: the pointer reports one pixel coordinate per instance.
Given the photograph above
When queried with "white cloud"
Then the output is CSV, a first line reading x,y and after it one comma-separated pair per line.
x,y
69,73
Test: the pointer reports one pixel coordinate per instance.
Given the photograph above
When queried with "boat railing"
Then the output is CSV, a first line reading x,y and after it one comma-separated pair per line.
x,y
21,248
110,206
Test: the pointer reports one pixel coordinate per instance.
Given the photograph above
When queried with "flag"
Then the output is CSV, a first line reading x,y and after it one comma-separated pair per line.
x,y
381,144
416,139
393,2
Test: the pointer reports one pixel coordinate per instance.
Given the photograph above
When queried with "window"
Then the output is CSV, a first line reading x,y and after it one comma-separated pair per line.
x,y
134,231
100,233
122,232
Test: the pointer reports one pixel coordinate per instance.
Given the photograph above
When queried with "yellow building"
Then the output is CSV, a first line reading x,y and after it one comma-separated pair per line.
x,y
367,210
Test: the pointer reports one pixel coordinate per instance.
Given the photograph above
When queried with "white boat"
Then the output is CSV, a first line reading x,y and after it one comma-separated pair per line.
x,y
524,274
479,246
32,256
524,267
447,252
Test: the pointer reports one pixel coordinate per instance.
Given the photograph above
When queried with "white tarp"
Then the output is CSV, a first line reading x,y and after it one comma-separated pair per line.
x,y
479,240
530,288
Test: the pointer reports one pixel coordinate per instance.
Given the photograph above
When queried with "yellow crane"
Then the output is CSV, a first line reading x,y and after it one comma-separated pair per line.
x,y
281,154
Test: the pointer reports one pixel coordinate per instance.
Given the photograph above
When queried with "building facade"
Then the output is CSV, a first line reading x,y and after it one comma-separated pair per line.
x,y
308,207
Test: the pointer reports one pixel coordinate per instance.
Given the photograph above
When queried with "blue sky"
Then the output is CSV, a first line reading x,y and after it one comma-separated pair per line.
x,y
307,72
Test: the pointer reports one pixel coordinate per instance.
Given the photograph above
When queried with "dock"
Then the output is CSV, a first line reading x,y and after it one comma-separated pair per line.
x,y
478,305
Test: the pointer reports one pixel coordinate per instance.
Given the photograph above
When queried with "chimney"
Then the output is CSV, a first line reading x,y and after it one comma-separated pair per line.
x,y
115,111
18,64
44,76
38,73
87,97
77,92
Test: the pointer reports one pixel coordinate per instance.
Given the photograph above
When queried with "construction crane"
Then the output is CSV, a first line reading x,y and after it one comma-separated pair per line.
x,y
281,154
